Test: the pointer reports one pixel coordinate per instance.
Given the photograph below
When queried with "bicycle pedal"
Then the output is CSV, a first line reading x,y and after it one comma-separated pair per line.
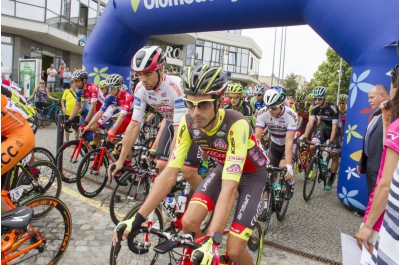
x,y
165,247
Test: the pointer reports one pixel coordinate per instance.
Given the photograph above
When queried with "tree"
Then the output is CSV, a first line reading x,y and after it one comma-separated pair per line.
x,y
327,75
291,84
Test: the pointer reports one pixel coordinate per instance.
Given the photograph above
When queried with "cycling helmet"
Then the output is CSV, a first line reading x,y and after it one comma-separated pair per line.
x,y
310,96
259,89
204,80
319,92
80,74
149,58
114,80
102,83
343,98
275,96
300,97
235,88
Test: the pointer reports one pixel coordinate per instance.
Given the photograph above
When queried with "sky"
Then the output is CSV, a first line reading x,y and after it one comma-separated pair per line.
x,y
305,50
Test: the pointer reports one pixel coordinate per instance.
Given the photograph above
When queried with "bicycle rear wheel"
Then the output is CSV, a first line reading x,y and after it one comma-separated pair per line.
x,y
283,204
54,227
123,197
41,153
255,243
310,178
141,250
42,179
68,157
92,181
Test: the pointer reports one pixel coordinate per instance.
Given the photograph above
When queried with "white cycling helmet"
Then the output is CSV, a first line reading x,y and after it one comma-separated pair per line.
x,y
275,96
259,89
114,80
148,58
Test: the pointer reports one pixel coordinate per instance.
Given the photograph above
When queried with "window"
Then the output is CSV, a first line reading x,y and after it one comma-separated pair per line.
x,y
7,52
52,19
7,7
40,3
75,11
66,8
199,53
54,6
30,12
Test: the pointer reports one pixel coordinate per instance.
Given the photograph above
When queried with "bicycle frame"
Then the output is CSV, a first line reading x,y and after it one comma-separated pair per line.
x,y
98,160
77,149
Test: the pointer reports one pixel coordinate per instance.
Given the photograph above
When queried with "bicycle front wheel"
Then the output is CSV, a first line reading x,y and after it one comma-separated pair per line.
x,y
54,228
92,181
141,247
41,153
255,243
283,204
68,157
310,178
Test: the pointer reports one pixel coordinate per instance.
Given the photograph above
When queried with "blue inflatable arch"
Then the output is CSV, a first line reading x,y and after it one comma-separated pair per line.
x,y
357,30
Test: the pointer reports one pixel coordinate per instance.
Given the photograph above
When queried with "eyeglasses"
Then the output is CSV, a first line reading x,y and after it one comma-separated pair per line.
x,y
260,95
273,107
319,99
42,83
233,97
77,80
202,104
111,87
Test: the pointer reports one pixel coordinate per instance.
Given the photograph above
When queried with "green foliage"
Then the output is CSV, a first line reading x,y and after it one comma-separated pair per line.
x,y
327,75
291,84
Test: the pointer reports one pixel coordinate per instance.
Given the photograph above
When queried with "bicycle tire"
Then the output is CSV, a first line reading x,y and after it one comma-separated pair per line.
x,y
88,184
147,256
41,153
40,183
66,164
283,204
55,227
255,243
123,197
310,179
270,206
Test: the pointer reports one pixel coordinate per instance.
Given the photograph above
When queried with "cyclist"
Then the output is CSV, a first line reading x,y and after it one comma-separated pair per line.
x,y
302,108
257,102
342,110
90,93
234,93
281,122
329,130
227,138
163,93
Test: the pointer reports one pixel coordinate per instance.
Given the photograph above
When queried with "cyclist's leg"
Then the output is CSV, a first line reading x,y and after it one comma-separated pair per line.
x,y
335,157
250,190
164,143
203,201
122,129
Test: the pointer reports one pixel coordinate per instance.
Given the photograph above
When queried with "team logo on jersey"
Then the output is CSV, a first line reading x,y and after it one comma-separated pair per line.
x,y
164,94
234,168
219,143
235,158
137,101
261,162
221,134
196,132
179,104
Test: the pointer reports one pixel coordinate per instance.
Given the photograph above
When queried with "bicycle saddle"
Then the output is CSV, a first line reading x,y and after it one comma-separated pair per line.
x,y
18,218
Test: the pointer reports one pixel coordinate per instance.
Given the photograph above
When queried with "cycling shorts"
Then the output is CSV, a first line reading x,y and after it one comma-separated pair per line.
x,y
248,207
124,125
276,153
324,134
193,156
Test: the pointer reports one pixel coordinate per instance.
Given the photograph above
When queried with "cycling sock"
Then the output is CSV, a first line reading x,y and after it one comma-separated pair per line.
x,y
204,163
266,204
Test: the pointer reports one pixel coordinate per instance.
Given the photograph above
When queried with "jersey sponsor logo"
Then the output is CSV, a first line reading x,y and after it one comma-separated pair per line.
x,y
219,143
243,206
235,158
10,153
208,181
233,145
261,162
181,131
164,94
234,168
221,134
179,104
196,132
176,88
137,101
217,155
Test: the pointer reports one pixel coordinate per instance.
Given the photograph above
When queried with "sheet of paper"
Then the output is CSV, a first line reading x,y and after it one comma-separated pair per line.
x,y
365,256
351,253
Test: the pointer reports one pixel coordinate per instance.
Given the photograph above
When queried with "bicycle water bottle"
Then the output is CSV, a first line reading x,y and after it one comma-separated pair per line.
x,y
181,203
277,188
169,205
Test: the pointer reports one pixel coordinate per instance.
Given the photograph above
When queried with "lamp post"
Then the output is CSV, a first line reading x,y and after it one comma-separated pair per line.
x,y
340,78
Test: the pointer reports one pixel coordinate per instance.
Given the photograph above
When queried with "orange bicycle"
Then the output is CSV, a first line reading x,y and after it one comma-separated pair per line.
x,y
37,232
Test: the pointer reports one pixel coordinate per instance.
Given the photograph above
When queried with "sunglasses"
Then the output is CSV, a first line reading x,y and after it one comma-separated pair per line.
x,y
202,104
319,99
77,80
233,97
273,107
111,87
42,83
259,95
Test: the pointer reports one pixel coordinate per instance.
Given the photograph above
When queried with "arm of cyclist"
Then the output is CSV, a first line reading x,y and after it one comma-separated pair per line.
x,y
309,127
131,134
111,132
93,121
150,117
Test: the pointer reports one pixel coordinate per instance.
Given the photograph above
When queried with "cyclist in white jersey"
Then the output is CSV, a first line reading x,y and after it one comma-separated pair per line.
x,y
281,122
164,94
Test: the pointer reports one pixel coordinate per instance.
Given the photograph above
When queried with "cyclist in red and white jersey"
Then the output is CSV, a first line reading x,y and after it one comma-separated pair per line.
x,y
164,94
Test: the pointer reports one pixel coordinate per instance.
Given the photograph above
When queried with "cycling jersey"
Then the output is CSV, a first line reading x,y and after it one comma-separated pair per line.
x,y
329,114
277,126
244,108
167,99
18,99
257,105
124,101
342,115
304,113
90,94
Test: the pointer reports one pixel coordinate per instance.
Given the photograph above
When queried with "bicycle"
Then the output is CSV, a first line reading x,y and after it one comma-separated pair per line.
x,y
43,227
91,176
276,191
317,170
48,114
41,153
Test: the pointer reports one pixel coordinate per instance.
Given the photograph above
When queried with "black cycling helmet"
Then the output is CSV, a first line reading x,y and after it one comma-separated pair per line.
x,y
204,80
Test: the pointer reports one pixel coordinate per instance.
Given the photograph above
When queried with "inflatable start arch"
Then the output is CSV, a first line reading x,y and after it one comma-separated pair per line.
x,y
357,30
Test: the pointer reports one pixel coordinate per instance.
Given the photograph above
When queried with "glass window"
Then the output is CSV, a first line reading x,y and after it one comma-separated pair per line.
x,y
245,60
30,12
7,55
245,51
200,42
6,39
40,3
73,29
199,52
92,18
85,2
232,58
207,54
55,6
7,7
66,8
75,11
93,4
64,24
207,44
52,19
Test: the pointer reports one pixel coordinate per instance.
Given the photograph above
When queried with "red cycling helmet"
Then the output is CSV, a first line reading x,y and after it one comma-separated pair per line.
x,y
148,58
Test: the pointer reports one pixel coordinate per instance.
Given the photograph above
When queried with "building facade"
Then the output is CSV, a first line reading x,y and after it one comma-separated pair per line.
x,y
56,30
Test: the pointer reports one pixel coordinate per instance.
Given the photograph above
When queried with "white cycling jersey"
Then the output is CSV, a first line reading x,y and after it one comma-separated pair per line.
x,y
166,99
277,127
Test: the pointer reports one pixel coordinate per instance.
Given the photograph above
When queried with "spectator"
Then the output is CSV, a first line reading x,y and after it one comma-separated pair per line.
x,y
51,77
76,68
372,144
134,82
61,72
66,78
374,213
68,103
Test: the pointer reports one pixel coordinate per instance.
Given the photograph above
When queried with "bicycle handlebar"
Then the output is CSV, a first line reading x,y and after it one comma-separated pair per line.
x,y
276,169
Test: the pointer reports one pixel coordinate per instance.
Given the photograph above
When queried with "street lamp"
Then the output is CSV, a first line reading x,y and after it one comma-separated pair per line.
x,y
340,77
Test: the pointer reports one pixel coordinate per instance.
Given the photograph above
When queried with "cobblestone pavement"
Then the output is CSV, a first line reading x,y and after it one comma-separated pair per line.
x,y
313,227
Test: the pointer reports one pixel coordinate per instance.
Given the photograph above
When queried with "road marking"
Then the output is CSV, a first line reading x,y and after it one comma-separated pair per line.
x,y
98,205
